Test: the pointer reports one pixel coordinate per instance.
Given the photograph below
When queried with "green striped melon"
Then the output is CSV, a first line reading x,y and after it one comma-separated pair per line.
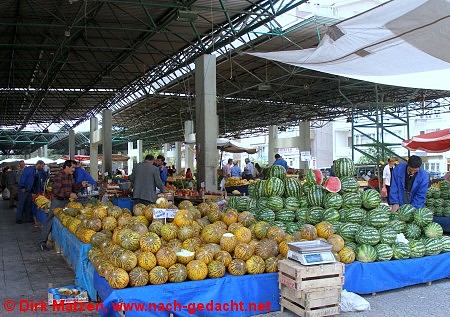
x,y
260,188
397,225
285,215
354,214
377,218
303,202
433,230
370,198
332,200
301,215
432,246
251,204
331,214
365,253
262,203
315,196
387,235
291,203
292,187
384,252
412,231
276,171
351,244
351,200
241,202
266,215
314,215
400,251
344,167
253,190
348,231
445,243
367,235
274,187
275,203
423,217
349,185
406,212
416,248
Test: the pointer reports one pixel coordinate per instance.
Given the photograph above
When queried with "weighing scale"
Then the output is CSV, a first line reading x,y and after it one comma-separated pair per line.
x,y
311,252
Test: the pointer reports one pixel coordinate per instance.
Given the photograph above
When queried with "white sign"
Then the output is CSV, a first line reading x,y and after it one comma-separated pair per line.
x,y
305,156
159,213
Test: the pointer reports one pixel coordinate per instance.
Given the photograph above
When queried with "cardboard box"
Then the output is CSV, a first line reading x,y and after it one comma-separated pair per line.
x,y
69,293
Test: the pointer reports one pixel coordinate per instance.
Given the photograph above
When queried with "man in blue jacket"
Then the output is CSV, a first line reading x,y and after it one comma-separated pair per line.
x,y
280,161
409,184
32,181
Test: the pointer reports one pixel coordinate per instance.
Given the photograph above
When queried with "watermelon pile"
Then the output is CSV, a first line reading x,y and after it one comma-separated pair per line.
x,y
438,199
367,227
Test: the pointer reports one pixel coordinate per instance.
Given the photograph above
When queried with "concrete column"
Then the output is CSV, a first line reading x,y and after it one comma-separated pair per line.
x,y
272,148
93,148
166,149
304,141
45,150
188,149
206,121
139,147
72,144
39,152
178,156
107,141
134,152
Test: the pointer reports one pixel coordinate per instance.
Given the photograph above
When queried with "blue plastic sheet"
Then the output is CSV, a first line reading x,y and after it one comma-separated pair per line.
x,y
367,278
41,215
444,222
76,254
261,289
123,202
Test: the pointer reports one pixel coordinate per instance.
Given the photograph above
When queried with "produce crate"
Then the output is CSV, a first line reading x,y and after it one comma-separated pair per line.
x,y
299,310
301,277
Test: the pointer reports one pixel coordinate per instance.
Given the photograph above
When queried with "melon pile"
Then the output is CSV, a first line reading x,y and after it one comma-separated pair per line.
x,y
201,242
438,199
368,228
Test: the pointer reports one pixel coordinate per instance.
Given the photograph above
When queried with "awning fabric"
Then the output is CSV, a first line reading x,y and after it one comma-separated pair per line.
x,y
402,43
433,142
231,146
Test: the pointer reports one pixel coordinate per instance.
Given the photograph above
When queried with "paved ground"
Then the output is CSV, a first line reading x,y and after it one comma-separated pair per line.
x,y
25,273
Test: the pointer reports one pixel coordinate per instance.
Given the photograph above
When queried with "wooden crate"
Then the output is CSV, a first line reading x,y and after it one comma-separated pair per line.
x,y
299,310
312,298
302,277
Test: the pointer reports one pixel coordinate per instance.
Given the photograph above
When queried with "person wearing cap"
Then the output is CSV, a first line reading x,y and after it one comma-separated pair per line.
x,y
31,182
248,169
409,184
235,170
280,161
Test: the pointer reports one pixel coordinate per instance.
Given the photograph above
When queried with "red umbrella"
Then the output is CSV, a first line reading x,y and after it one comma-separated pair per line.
x,y
434,142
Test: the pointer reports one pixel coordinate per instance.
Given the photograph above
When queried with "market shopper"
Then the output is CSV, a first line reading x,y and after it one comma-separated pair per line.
x,y
12,182
81,175
146,178
280,161
160,162
31,182
249,169
387,176
64,189
188,173
235,170
409,184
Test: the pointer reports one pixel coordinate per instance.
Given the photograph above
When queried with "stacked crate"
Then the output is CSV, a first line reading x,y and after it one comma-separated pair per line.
x,y
310,291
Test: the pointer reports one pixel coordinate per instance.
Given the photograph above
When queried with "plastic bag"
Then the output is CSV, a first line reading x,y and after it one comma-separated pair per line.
x,y
401,238
353,302
384,192
6,194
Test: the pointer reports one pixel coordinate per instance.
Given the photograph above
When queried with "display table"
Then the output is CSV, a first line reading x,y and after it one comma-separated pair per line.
x,y
76,254
242,189
367,278
261,289
444,222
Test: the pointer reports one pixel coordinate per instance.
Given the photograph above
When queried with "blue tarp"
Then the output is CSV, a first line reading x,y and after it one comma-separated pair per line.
x,y
444,222
76,254
261,289
367,278
41,215
123,202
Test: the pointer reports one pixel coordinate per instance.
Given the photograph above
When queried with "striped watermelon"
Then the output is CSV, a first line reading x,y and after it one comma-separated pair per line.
x,y
406,212
331,214
332,200
433,230
251,203
412,231
377,218
291,203
273,187
387,235
315,196
265,215
310,177
401,251
241,202
300,215
351,200
349,185
370,198
314,215
253,190
303,202
416,248
432,246
351,244
445,243
348,231
261,203
344,167
365,253
423,217
292,187
275,203
397,225
259,188
276,171
354,215
367,235
291,227
285,215
384,252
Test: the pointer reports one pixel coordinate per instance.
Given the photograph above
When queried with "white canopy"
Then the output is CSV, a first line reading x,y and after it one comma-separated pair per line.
x,y
34,160
402,43
229,146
